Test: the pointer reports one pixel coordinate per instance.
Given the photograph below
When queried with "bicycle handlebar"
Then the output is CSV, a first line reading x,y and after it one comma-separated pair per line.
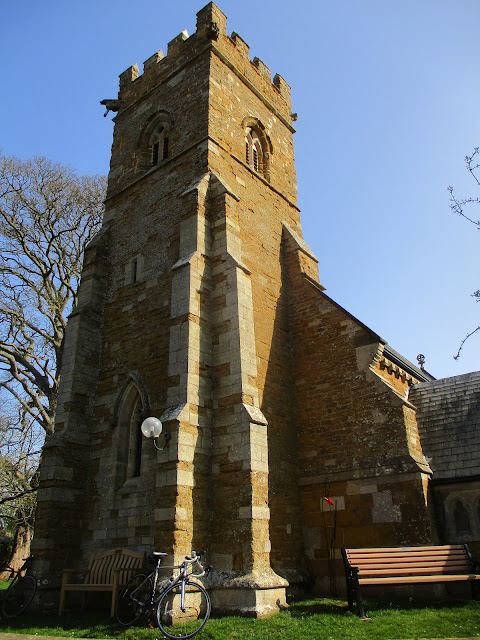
x,y
195,557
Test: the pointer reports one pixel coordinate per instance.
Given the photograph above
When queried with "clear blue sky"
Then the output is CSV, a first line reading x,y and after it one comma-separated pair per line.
x,y
388,98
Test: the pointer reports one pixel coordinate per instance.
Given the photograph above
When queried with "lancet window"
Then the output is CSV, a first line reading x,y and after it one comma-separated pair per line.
x,y
129,413
253,150
159,145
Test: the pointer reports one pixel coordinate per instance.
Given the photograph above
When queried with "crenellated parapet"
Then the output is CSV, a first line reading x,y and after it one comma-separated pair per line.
x,y
211,34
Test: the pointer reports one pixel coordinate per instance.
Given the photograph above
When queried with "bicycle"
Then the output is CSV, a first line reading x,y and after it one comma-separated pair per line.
x,y
182,605
21,590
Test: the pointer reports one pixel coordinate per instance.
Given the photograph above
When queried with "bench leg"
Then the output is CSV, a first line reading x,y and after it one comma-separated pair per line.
x,y
475,590
358,596
349,594
61,605
114,601
115,590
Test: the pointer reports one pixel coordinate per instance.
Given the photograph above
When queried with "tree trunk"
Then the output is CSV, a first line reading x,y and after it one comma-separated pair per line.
x,y
21,548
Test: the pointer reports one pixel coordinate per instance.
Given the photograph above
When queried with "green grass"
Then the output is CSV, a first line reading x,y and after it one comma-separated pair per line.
x,y
320,619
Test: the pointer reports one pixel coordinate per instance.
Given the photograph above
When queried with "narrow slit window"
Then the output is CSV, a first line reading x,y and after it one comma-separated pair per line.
x,y
155,153
160,146
137,451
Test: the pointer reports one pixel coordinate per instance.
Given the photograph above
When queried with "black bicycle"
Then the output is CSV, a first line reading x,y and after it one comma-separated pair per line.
x,y
182,605
21,591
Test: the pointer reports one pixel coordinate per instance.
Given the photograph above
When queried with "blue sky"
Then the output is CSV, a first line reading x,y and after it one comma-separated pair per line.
x,y
388,101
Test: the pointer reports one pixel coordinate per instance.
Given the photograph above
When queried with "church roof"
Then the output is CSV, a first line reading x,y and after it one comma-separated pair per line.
x,y
448,415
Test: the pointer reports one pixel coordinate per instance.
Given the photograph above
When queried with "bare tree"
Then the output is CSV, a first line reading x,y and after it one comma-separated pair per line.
x,y
462,206
20,447
47,216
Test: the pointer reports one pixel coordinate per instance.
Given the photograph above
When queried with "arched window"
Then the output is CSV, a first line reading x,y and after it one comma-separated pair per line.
x,y
461,519
159,145
131,407
154,142
258,148
253,150
134,462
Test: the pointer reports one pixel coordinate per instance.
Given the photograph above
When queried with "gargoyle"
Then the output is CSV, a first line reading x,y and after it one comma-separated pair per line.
x,y
112,105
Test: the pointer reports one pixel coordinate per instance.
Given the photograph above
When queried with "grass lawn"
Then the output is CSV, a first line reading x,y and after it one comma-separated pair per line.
x,y
319,619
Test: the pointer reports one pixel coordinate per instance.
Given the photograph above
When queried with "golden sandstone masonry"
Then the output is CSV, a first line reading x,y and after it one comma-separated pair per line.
x,y
200,304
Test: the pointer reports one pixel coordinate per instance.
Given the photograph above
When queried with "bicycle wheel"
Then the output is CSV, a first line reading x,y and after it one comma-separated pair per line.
x,y
176,623
133,600
18,596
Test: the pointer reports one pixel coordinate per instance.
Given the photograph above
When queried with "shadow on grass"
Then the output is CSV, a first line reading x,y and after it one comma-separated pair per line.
x,y
326,606
73,624
319,606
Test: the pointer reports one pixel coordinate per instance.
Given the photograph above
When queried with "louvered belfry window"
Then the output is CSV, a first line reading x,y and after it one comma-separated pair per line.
x,y
159,146
253,150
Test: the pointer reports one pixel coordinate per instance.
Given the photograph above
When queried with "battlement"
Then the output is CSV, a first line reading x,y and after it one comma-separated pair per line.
x,y
211,31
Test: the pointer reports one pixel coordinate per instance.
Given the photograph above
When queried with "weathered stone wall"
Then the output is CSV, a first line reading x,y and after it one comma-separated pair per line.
x,y
357,437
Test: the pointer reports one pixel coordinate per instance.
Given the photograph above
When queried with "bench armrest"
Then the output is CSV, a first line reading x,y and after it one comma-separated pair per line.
x,y
69,572
75,570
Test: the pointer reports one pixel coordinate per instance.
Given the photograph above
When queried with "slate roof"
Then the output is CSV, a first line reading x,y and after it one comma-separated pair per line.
x,y
448,415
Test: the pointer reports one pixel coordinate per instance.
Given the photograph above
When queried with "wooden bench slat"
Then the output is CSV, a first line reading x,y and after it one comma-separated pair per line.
x,y
90,587
409,560
408,571
397,556
457,567
419,579
375,550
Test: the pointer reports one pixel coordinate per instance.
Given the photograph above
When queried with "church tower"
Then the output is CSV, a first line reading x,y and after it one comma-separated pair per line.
x,y
200,305
182,317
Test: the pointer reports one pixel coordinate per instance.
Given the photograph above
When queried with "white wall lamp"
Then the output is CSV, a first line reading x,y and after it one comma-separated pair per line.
x,y
152,428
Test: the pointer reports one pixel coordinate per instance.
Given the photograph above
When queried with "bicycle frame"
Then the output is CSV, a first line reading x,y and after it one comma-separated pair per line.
x,y
183,577
21,590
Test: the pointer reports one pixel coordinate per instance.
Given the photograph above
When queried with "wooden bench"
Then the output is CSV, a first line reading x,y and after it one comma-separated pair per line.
x,y
107,571
406,565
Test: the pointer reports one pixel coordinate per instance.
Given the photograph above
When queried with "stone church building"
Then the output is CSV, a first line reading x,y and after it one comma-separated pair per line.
x,y
201,304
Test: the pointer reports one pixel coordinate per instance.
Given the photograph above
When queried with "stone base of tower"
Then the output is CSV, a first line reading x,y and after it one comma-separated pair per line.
x,y
253,603
254,596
